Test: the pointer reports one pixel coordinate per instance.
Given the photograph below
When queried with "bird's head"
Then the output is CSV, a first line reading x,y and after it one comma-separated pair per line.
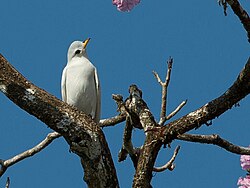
x,y
78,49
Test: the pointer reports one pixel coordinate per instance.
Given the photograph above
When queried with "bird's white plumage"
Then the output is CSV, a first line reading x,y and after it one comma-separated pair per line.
x,y
80,84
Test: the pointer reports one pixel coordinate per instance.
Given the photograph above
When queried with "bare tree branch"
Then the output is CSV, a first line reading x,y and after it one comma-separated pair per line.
x,y
112,121
151,146
242,15
211,110
216,140
157,135
7,183
176,110
84,137
164,86
169,165
7,163
119,118
127,145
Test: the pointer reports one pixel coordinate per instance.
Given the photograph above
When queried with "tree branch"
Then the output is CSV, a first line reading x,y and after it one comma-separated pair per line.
x,y
7,183
157,135
169,165
216,140
151,146
85,138
242,15
164,86
176,110
127,145
112,121
211,110
7,163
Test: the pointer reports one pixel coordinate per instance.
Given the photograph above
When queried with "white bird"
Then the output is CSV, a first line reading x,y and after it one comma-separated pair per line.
x,y
80,85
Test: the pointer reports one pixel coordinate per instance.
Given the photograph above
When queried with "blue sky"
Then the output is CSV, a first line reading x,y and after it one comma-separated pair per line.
x,y
209,50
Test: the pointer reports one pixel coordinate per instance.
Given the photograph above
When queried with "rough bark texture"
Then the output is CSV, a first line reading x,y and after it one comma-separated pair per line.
x,y
242,15
152,144
157,135
85,138
211,110
216,140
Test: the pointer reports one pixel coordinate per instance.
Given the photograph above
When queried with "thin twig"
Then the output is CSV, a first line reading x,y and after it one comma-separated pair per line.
x,y
176,110
7,163
7,183
169,165
116,119
164,86
216,140
112,121
157,78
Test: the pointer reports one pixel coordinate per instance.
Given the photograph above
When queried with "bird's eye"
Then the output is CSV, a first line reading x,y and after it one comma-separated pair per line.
x,y
77,51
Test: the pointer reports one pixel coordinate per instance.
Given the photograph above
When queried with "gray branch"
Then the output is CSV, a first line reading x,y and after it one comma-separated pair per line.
x,y
211,110
28,153
215,140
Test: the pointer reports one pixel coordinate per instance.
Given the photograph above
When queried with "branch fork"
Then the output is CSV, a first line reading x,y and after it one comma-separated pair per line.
x,y
164,85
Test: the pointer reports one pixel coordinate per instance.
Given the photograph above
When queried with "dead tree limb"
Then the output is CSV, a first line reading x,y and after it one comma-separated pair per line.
x,y
242,15
215,140
7,185
152,144
84,137
164,86
112,121
178,108
211,110
170,164
7,163
157,135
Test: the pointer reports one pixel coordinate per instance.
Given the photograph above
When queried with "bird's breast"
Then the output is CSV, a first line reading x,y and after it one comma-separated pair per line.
x,y
81,86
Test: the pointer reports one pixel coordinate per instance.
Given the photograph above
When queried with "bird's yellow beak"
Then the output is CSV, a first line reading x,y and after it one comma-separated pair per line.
x,y
85,43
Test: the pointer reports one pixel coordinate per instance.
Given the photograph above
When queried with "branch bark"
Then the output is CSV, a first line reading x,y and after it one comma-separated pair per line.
x,y
7,163
216,140
164,92
211,110
152,144
84,137
169,165
7,183
157,135
242,15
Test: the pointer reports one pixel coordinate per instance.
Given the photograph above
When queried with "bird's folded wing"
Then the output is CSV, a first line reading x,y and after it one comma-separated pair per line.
x,y
63,85
98,102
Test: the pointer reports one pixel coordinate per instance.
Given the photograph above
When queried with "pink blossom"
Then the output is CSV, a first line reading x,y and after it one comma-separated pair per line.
x,y
245,162
244,182
125,5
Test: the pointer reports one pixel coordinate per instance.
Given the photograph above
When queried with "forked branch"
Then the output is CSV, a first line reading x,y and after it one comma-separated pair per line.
x,y
164,86
83,135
